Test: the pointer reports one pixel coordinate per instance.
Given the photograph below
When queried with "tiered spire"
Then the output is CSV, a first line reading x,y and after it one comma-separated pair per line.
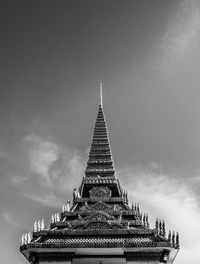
x,y
100,162
100,217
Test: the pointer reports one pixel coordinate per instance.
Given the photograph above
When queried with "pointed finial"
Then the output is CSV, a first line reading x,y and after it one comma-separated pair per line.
x,y
38,225
42,224
163,228
173,239
57,216
144,220
35,227
101,98
147,220
26,238
170,237
157,224
177,240
29,237
23,239
52,219
132,207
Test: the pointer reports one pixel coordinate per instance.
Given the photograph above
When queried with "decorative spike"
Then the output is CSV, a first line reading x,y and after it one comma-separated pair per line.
x,y
157,224
101,97
55,217
147,220
74,194
29,237
144,220
42,224
160,227
52,219
173,239
63,208
39,225
140,215
58,217
68,206
163,228
126,197
23,240
132,207
35,226
177,240
135,207
170,237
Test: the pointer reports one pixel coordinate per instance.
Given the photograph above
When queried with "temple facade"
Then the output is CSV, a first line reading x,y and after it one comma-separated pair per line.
x,y
100,225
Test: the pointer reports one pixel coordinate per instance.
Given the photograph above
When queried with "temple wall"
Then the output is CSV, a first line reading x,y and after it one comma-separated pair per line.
x,y
143,262
99,260
55,262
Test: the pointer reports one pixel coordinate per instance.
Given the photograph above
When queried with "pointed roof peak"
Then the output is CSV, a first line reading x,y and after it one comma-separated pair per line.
x,y
100,163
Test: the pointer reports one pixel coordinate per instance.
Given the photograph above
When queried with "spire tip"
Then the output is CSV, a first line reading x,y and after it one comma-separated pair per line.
x,y
101,99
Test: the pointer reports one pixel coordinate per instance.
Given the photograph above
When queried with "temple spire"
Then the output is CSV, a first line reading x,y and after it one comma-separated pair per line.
x,y
100,162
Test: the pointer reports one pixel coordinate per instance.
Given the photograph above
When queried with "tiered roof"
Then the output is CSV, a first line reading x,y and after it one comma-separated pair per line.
x,y
100,215
100,162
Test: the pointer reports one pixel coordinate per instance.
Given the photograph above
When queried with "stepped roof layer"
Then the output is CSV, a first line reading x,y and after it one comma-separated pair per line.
x,y
100,162
100,215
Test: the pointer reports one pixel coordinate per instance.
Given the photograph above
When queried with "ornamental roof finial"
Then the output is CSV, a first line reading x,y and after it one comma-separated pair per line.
x,y
101,98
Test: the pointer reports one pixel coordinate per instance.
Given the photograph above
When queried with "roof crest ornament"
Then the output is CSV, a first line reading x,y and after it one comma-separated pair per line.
x,y
101,98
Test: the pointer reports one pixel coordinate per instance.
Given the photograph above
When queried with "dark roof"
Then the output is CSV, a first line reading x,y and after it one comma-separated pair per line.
x,y
97,242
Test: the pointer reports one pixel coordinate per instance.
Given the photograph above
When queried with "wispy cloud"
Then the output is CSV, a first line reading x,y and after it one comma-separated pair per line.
x,y
46,198
183,30
167,197
10,220
51,171
42,155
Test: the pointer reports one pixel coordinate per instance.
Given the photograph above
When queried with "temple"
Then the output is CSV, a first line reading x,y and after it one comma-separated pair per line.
x,y
100,225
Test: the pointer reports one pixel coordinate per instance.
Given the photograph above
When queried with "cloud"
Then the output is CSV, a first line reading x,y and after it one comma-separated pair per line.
x,y
73,165
42,155
10,220
180,44
183,30
51,171
168,198
47,199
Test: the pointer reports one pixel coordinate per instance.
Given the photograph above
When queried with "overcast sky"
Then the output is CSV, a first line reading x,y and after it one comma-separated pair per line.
x,y
53,56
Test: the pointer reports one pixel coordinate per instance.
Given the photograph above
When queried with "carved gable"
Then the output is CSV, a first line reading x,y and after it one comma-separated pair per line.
x,y
100,193
101,206
99,216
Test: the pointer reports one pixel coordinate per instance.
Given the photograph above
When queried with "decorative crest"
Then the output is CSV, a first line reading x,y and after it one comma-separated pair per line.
x,y
101,97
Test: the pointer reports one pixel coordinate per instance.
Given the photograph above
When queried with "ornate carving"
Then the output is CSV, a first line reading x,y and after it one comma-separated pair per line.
x,y
98,225
100,193
100,216
116,207
101,206
79,227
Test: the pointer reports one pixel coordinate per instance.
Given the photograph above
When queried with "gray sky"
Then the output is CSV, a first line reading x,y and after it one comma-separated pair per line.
x,y
53,57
